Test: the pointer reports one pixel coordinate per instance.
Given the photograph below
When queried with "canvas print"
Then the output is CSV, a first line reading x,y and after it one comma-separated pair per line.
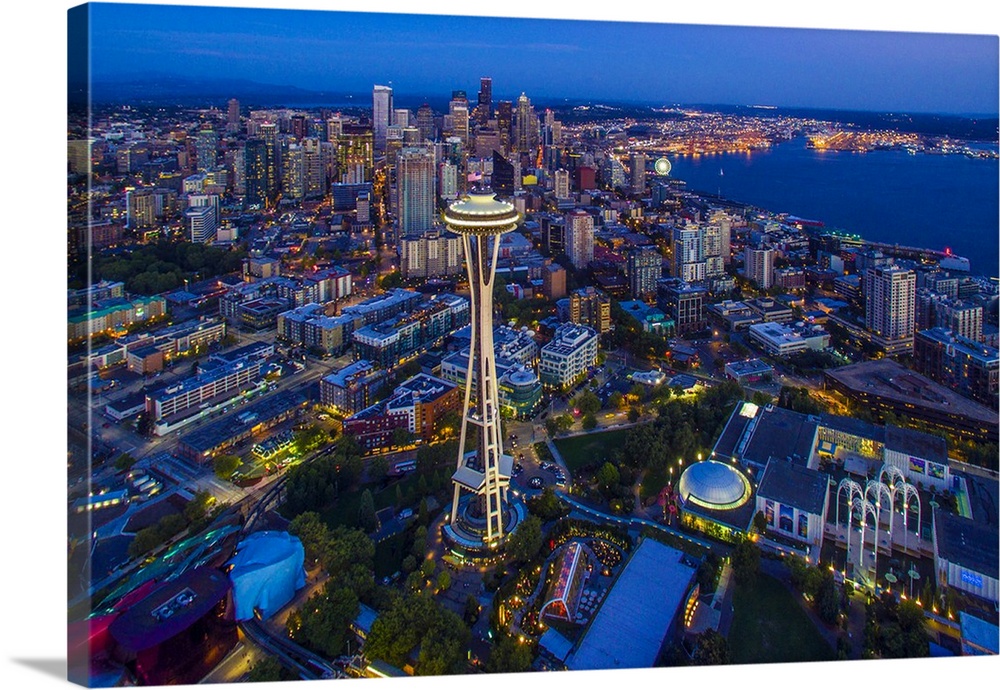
x,y
425,345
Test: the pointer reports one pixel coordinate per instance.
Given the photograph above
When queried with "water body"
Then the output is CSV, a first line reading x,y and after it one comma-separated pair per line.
x,y
922,200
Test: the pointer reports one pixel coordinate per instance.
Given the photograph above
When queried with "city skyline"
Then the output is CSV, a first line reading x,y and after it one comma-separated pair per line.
x,y
819,68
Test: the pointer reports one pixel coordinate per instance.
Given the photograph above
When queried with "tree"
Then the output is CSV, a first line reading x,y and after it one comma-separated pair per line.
x,y
323,623
746,562
378,466
449,424
197,508
526,541
267,670
312,532
509,656
712,649
413,620
471,614
633,414
124,462
401,437
616,401
226,465
547,505
391,280
760,522
443,580
145,540
607,477
310,438
588,403
828,598
366,512
589,421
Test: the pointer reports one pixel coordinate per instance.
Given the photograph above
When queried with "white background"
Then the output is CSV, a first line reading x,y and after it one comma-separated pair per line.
x,y
32,383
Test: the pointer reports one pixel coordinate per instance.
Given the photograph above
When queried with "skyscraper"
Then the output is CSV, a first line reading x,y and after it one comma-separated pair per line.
x,y
269,133
579,238
688,254
485,516
505,124
233,117
425,123
381,112
890,300
526,125
638,162
355,155
561,184
415,183
504,173
758,266
484,107
255,175
206,147
644,268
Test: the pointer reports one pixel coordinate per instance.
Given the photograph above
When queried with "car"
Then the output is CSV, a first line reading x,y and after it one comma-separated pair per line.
x,y
536,482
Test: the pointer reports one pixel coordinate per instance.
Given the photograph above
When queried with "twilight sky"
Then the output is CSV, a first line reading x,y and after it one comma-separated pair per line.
x,y
431,55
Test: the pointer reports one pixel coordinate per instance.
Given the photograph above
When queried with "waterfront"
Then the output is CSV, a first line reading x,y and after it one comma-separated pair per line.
x,y
923,200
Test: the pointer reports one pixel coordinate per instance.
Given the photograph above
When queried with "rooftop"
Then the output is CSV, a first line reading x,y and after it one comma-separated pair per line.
x,y
628,629
794,485
170,608
917,444
780,433
890,380
967,543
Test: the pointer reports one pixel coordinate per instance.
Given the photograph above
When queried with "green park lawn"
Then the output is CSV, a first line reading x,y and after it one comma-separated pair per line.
x,y
589,449
769,626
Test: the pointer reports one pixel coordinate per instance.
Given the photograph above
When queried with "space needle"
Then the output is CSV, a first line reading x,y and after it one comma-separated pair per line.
x,y
480,513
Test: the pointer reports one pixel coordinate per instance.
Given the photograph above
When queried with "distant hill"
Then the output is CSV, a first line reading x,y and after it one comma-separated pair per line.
x,y
156,89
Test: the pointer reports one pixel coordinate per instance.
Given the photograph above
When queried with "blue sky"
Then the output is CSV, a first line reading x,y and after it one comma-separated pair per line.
x,y
431,55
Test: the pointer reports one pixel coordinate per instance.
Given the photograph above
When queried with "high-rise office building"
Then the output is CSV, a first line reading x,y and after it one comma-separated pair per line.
x,y
644,268
430,254
425,123
355,155
269,133
638,180
688,253
504,177
579,238
526,125
613,173
381,113
292,186
401,117
255,173
962,318
202,223
711,247
233,116
505,124
484,106
590,307
334,128
758,266
415,184
890,296
561,184
206,148
299,127
448,181
458,110
725,223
